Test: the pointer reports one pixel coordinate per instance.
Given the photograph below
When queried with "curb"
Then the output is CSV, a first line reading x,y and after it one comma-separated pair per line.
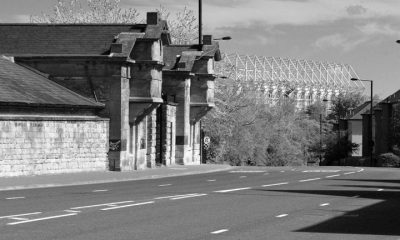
x,y
50,185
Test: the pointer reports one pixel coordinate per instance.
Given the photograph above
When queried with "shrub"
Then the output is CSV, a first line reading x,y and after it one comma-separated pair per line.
x,y
388,160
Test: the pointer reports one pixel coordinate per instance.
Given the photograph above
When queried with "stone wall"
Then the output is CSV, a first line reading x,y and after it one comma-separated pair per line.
x,y
168,133
33,147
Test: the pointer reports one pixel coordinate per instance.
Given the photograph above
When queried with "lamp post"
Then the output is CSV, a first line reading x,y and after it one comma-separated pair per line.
x,y
371,112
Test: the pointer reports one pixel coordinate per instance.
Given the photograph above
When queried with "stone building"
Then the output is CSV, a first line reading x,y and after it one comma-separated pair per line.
x,y
153,92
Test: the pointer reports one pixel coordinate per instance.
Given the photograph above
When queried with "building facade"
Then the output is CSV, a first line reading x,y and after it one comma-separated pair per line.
x,y
152,93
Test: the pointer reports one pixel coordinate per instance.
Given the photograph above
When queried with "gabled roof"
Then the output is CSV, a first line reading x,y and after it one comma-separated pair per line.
x,y
393,98
20,86
56,39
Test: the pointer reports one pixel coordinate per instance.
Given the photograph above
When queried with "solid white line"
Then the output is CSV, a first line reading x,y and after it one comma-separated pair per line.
x,y
275,184
103,204
198,195
380,189
41,219
19,215
219,231
348,173
232,190
173,196
100,190
11,198
282,215
164,185
211,180
311,179
129,205
247,171
324,204
331,176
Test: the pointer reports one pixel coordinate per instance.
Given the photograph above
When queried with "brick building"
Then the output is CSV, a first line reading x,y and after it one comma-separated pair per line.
x,y
152,92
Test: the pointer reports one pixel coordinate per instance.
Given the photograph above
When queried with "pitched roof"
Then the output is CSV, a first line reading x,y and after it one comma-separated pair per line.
x,y
20,86
75,39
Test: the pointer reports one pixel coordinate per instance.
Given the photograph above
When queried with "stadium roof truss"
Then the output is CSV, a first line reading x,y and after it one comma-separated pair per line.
x,y
305,80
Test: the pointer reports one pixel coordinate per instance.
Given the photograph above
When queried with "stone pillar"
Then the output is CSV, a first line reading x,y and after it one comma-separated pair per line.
x,y
183,149
119,120
383,134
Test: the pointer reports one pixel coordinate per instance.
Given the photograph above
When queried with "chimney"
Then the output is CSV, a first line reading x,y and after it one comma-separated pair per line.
x,y
153,18
207,39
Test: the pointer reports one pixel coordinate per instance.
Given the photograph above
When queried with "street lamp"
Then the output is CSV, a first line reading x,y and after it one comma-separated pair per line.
x,y
371,112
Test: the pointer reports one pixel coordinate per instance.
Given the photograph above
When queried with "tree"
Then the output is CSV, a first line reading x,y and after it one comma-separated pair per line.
x,y
183,26
89,11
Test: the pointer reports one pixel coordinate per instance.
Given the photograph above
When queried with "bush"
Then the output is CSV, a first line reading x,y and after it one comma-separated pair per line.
x,y
388,160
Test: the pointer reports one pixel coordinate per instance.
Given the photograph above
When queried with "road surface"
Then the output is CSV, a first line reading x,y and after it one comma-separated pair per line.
x,y
243,203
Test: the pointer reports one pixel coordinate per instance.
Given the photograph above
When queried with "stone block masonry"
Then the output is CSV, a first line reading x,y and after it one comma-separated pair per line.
x,y
33,147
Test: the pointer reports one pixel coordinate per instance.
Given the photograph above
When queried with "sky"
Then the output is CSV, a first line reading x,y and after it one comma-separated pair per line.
x,y
361,33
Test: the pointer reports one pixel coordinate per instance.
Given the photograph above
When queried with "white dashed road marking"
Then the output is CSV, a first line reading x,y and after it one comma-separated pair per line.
x,y
324,204
41,219
197,195
12,198
175,196
100,190
281,216
129,205
348,173
275,184
219,231
103,204
242,176
164,185
308,180
282,171
331,176
211,180
247,171
380,189
232,190
20,215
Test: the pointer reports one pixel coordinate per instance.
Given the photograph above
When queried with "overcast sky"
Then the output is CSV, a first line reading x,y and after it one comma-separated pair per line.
x,y
361,33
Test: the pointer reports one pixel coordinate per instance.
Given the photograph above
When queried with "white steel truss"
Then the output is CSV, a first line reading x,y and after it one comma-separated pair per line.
x,y
302,80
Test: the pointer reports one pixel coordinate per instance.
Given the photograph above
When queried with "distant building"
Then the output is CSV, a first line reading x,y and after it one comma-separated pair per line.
x,y
355,128
133,99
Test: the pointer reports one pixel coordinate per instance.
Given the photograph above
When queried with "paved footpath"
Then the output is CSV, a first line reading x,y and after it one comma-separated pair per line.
x,y
69,179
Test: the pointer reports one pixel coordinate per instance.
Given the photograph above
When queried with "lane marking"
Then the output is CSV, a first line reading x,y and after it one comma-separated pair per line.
x,y
281,216
173,196
348,173
164,185
362,169
178,168
211,180
242,176
19,215
12,198
282,171
247,171
380,189
355,196
72,211
219,231
331,176
103,204
100,190
324,204
275,184
129,205
41,219
232,190
317,171
19,219
310,179
198,195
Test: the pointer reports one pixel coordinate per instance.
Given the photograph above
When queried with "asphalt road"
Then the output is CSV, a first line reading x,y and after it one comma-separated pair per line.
x,y
244,203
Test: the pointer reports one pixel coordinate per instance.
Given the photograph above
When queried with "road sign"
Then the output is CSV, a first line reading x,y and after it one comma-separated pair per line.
x,y
207,140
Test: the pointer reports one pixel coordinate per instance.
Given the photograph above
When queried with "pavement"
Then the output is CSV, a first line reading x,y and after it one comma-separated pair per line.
x,y
82,178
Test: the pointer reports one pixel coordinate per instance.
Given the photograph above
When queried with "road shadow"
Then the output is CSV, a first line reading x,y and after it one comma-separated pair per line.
x,y
382,218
